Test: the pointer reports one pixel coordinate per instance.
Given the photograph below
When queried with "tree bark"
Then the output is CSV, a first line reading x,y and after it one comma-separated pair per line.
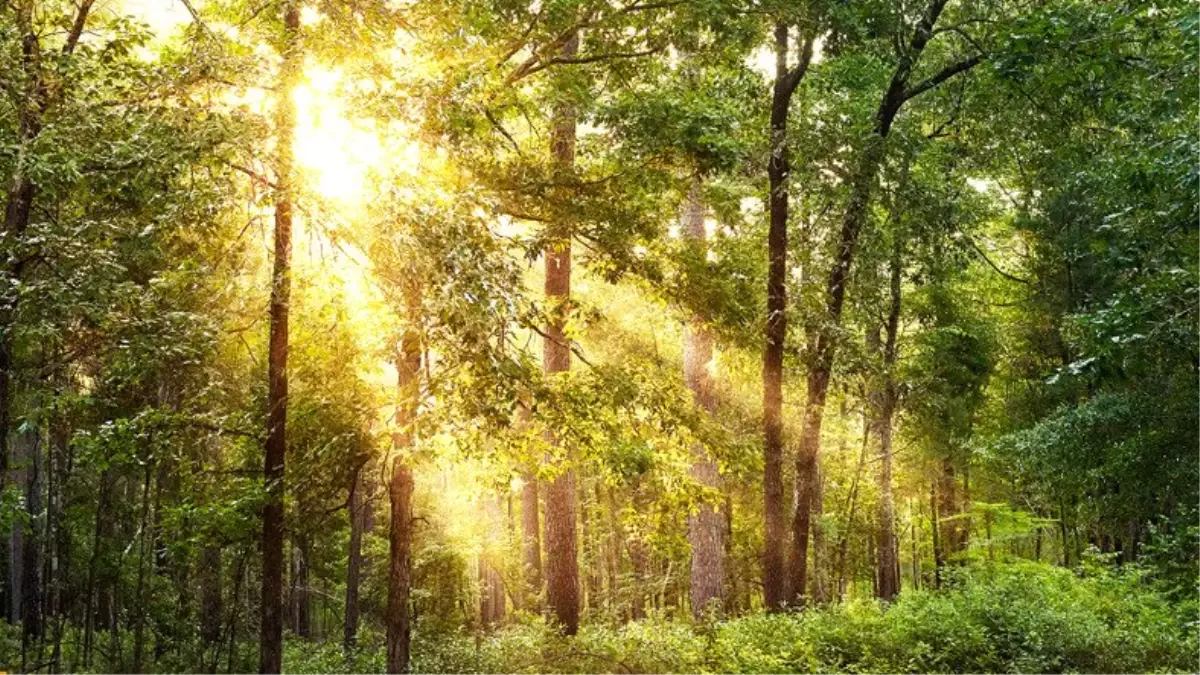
x,y
408,366
301,602
31,568
354,564
775,591
706,525
851,507
139,617
562,563
271,635
888,572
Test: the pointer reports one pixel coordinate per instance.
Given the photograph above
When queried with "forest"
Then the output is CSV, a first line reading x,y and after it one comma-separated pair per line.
x,y
599,336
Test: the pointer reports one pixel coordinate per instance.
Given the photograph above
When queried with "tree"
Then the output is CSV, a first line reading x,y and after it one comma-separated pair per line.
x,y
706,527
271,656
787,79
822,345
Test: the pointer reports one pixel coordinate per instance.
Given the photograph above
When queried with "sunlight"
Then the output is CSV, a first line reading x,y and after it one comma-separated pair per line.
x,y
337,152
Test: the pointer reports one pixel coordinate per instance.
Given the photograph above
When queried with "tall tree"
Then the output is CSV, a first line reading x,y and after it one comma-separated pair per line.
x,y
400,490
562,561
706,526
787,78
823,340
271,639
885,400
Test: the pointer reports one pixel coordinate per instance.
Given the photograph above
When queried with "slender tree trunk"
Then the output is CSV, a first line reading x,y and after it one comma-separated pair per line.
x,y
616,545
775,579
639,558
301,598
98,541
935,527
706,527
889,577
562,562
947,492
31,567
916,557
271,637
139,617
851,506
408,366
211,609
354,564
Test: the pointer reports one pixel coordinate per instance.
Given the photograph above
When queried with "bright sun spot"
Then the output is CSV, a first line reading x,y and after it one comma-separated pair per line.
x,y
338,152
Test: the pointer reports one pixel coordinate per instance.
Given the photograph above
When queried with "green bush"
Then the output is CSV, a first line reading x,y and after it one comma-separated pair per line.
x,y
1013,618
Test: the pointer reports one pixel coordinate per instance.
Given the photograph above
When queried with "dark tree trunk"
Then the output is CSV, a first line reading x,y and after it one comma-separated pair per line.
x,y
947,506
31,567
775,579
408,366
211,609
91,600
17,208
935,526
146,543
562,562
888,573
706,525
271,636
354,563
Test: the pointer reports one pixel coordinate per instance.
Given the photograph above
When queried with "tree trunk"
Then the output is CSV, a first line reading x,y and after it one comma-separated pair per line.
x,y
31,567
211,609
639,558
939,560
706,526
354,564
408,366
889,576
301,598
146,543
775,591
947,508
851,506
492,601
562,563
271,636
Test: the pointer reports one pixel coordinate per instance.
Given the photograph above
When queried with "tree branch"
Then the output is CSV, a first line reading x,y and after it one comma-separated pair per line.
x,y
941,76
77,27
796,75
991,264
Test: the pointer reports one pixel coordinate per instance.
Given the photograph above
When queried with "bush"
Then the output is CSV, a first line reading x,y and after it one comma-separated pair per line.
x,y
1022,617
